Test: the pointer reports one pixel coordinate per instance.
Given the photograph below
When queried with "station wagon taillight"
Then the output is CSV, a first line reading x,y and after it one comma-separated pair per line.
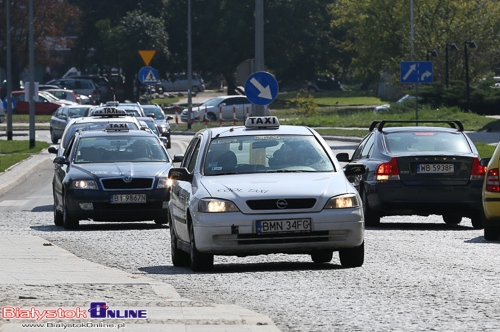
x,y
492,181
387,171
478,171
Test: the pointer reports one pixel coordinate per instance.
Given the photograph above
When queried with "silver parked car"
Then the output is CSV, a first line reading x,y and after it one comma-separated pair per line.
x,y
62,116
80,86
226,106
65,94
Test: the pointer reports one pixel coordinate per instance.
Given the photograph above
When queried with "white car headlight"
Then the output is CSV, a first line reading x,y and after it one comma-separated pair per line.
x,y
84,184
212,205
342,202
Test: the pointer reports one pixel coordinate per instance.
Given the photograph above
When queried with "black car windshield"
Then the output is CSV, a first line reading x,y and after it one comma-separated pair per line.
x,y
266,153
427,141
123,148
151,125
87,127
158,113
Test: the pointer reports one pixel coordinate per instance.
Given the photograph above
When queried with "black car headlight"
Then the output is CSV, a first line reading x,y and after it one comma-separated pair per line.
x,y
84,184
163,183
342,202
164,129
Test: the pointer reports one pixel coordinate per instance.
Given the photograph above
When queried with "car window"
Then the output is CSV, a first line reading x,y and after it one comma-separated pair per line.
x,y
256,154
189,160
156,111
213,102
124,148
422,141
357,153
151,125
59,112
241,100
194,157
77,112
88,127
367,150
69,84
67,152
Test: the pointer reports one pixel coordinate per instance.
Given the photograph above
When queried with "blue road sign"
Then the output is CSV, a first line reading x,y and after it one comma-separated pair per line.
x,y
148,75
416,72
261,88
5,104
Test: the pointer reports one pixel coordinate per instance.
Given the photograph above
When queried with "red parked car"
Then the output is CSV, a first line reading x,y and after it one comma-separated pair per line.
x,y
47,104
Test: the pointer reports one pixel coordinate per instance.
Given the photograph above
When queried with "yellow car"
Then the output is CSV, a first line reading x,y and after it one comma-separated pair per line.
x,y
491,197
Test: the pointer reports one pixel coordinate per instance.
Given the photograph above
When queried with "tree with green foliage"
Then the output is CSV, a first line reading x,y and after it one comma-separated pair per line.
x,y
53,19
298,39
93,50
379,33
136,31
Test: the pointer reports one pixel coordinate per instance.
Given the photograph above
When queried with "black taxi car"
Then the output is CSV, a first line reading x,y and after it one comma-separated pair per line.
x,y
115,174
416,169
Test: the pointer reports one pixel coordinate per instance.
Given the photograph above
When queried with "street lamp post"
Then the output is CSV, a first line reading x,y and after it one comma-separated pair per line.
x,y
452,47
432,53
467,44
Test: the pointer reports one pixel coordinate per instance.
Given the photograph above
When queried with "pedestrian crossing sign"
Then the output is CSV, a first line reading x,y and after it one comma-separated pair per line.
x,y
148,75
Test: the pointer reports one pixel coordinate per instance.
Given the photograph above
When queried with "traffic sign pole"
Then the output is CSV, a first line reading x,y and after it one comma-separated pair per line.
x,y
261,88
416,72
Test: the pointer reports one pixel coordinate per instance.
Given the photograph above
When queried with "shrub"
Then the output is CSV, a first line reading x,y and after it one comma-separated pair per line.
x,y
306,105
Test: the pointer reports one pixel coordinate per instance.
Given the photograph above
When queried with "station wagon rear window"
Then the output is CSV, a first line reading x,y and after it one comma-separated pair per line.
x,y
427,141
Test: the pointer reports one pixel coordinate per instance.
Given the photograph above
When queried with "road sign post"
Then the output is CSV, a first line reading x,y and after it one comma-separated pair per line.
x,y
416,72
261,88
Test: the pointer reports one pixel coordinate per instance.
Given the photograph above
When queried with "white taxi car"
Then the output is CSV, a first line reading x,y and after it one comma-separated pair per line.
x,y
263,188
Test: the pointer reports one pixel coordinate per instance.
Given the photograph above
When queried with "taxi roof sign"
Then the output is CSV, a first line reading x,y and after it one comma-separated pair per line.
x,y
262,122
109,112
117,127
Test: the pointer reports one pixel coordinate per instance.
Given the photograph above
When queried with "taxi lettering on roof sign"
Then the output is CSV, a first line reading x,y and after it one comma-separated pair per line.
x,y
117,127
262,122
109,111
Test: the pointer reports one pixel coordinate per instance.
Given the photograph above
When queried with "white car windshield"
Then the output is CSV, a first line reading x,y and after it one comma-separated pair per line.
x,y
268,153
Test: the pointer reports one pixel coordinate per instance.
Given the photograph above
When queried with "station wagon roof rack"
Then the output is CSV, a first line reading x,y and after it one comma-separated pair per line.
x,y
379,124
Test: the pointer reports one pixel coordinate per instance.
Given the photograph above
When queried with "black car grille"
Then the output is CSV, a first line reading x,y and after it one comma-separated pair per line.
x,y
134,183
272,204
127,207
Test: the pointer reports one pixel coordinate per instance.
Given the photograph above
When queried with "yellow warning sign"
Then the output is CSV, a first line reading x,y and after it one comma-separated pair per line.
x,y
147,55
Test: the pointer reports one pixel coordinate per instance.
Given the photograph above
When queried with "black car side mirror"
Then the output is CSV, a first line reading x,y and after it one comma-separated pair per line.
x,y
343,156
178,158
354,169
180,173
484,161
52,149
60,161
